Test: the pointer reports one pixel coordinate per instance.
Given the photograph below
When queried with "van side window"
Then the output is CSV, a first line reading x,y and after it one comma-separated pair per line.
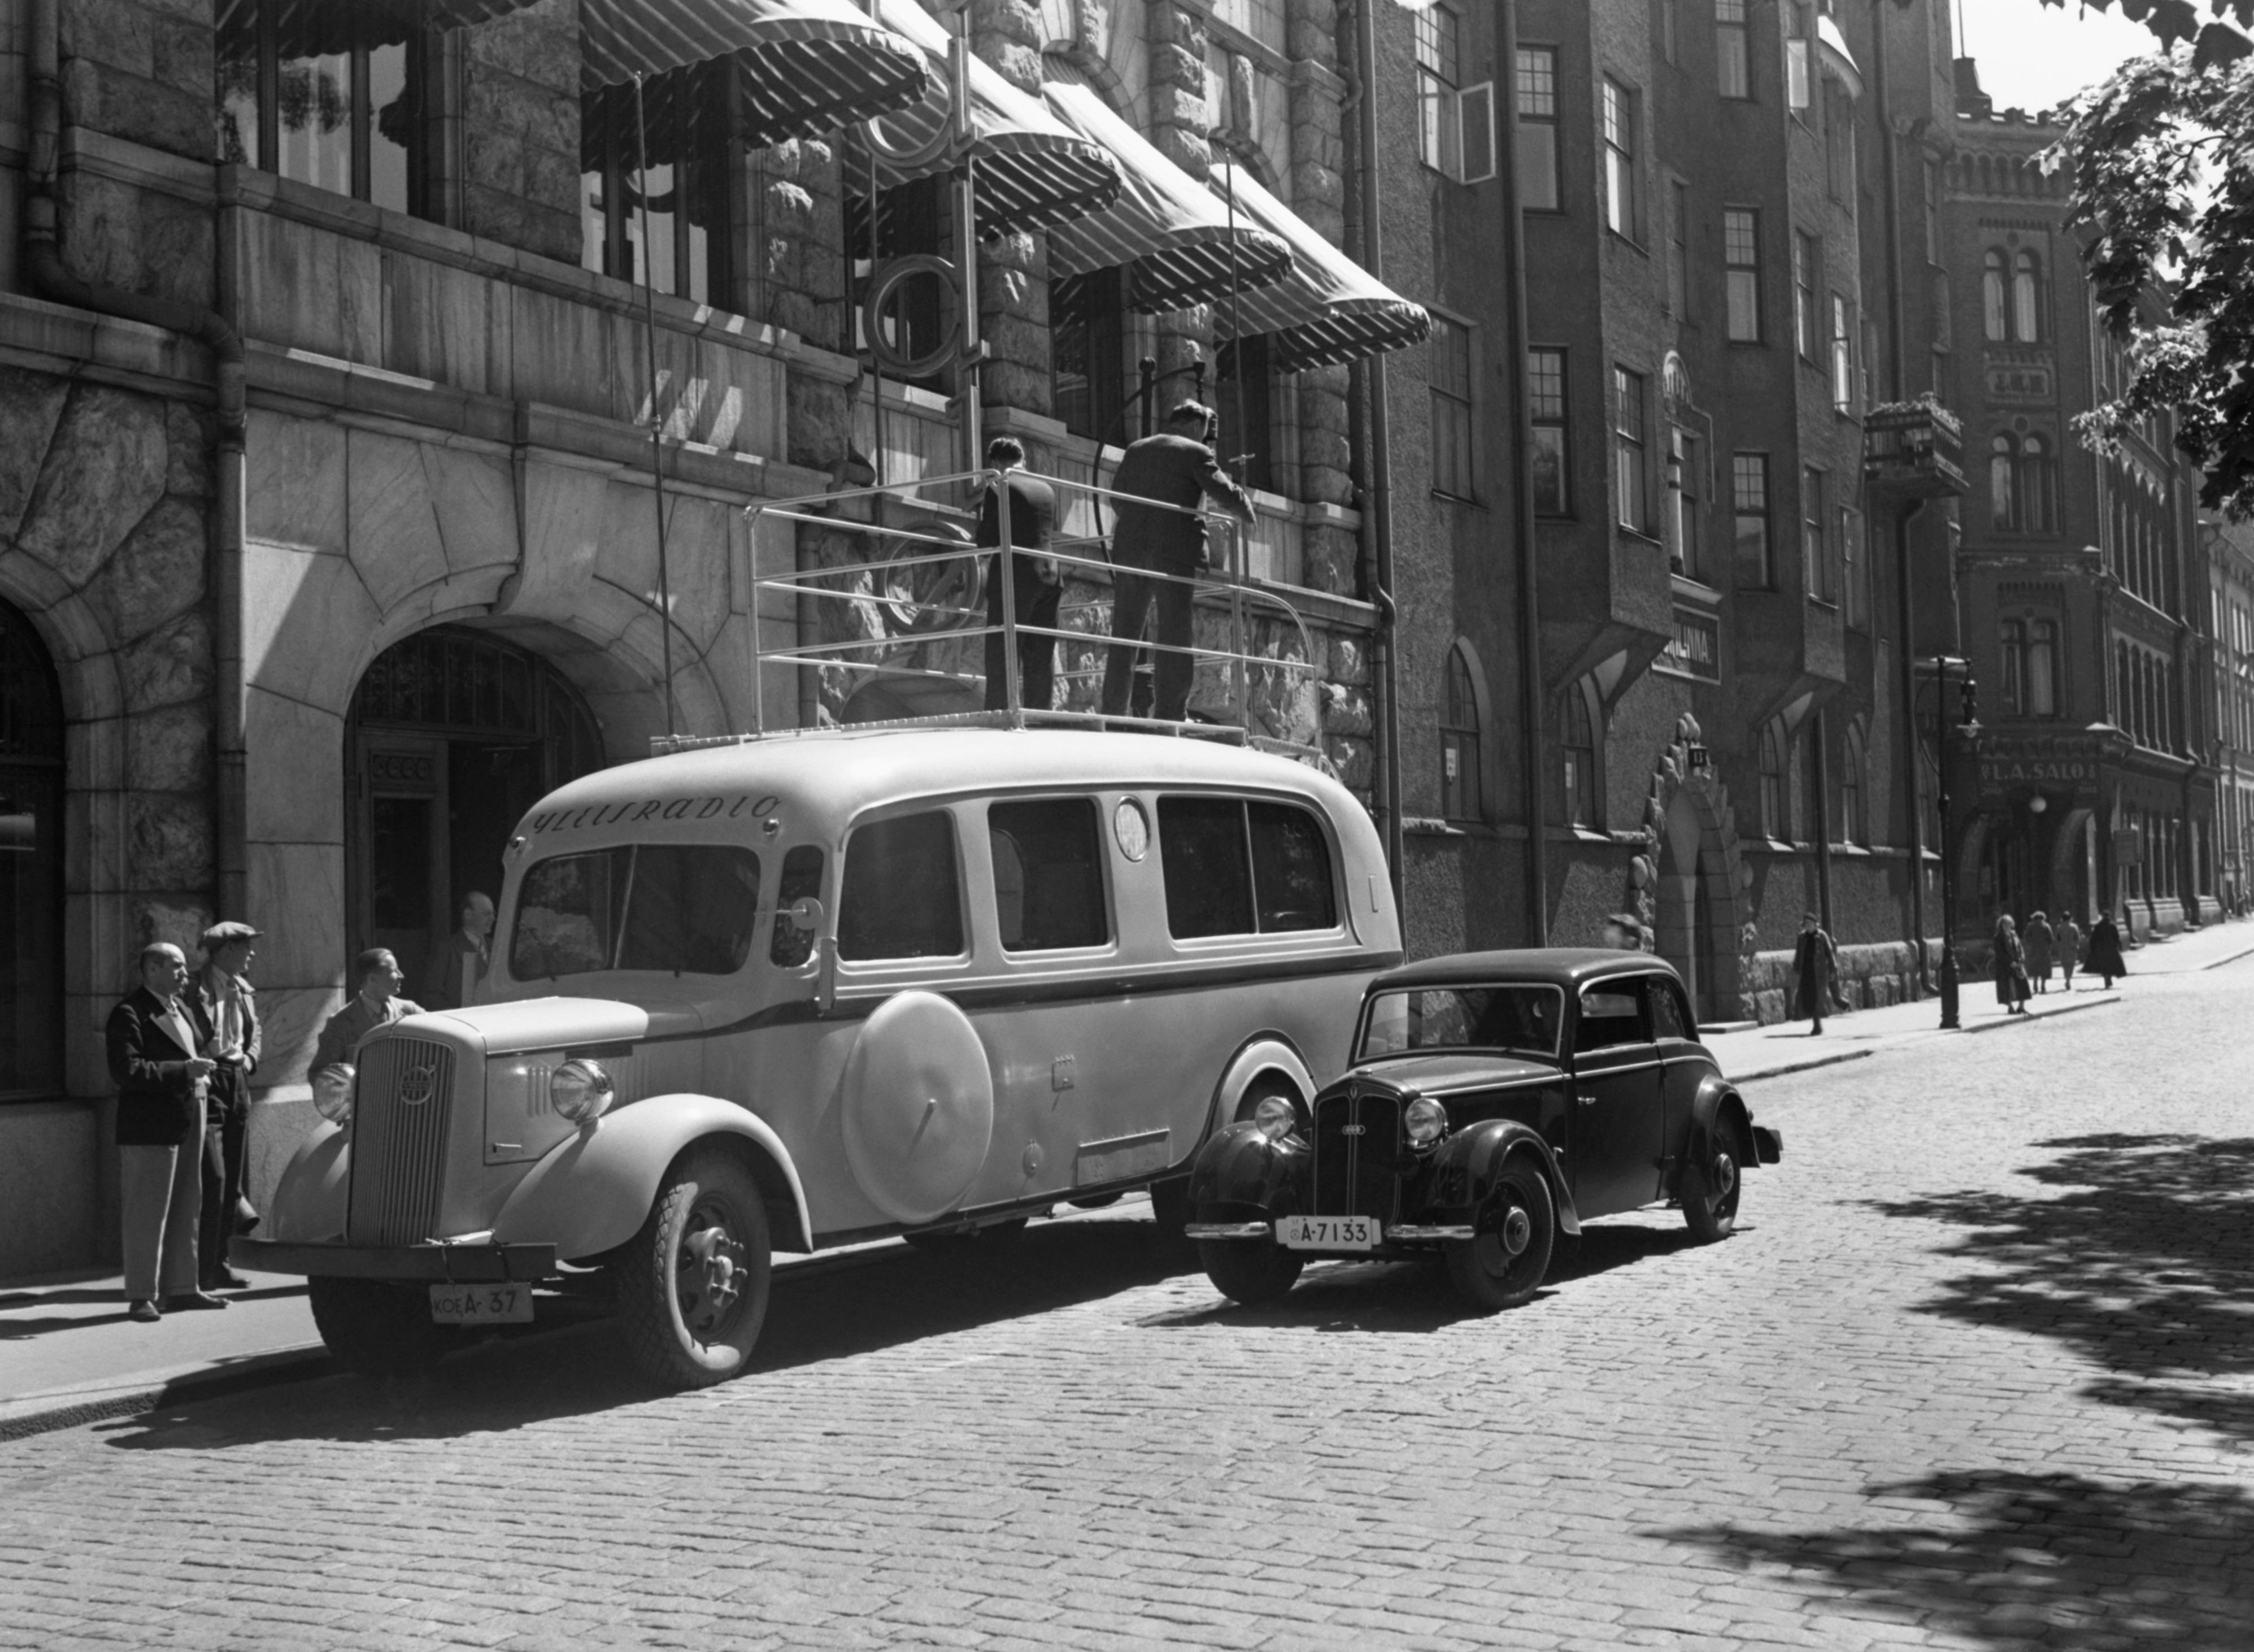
x,y
1209,876
902,896
801,880
1610,1016
687,907
1048,874
1291,870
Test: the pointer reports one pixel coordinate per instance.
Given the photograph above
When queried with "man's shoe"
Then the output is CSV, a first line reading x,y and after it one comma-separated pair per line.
x,y
145,1310
226,1279
185,1299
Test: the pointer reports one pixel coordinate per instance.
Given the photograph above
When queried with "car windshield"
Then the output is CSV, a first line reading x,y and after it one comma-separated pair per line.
x,y
1416,1020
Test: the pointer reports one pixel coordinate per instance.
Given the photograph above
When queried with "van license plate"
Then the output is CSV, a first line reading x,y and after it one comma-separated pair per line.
x,y
481,1304
1327,1233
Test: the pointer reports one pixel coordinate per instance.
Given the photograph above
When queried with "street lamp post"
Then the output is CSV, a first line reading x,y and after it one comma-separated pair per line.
x,y
1970,727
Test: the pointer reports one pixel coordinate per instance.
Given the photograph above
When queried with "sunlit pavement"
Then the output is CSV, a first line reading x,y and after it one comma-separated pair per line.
x,y
1977,1372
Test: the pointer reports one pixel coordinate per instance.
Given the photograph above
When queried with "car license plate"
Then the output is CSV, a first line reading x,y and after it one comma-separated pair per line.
x,y
481,1304
1327,1233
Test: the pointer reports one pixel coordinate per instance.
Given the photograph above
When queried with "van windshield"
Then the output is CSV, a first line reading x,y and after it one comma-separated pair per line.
x,y
688,908
1420,1019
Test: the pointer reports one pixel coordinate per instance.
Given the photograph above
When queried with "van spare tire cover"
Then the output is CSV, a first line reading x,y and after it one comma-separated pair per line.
x,y
917,1106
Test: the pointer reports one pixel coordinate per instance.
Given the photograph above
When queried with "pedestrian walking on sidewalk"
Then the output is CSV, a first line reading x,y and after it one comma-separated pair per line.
x,y
2039,939
231,1008
155,1041
2103,956
2011,966
2069,950
1815,962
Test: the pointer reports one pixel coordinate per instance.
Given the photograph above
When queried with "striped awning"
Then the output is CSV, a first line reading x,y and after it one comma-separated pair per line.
x,y
802,66
1329,309
320,28
1032,170
1174,240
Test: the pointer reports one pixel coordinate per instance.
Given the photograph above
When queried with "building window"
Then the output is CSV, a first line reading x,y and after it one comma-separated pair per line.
x,y
1459,742
336,102
1438,136
1815,554
1774,824
1806,261
32,850
1741,266
1686,553
1854,574
1839,140
1994,324
1842,357
1620,204
1546,371
1577,742
1538,190
661,164
1451,357
2021,485
1732,56
1799,47
2013,640
1932,207
2042,668
1756,553
1853,828
2026,300
1246,403
1630,453
1088,323
1678,249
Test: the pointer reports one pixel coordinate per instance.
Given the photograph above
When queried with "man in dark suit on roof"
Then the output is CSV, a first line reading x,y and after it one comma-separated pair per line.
x,y
1175,468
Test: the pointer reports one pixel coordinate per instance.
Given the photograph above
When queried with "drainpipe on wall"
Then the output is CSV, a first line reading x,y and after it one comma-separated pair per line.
x,y
52,278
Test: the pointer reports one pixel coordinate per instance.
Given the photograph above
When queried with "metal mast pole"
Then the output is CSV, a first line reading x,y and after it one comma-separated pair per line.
x,y
657,421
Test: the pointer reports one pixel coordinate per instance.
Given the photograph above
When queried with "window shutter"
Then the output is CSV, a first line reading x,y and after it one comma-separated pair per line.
x,y
1475,117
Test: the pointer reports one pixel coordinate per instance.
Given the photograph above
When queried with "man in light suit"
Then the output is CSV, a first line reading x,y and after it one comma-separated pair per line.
x,y
1175,468
231,1007
156,1040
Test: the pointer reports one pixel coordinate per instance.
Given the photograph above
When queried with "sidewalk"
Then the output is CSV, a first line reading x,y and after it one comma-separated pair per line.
x,y
1772,1052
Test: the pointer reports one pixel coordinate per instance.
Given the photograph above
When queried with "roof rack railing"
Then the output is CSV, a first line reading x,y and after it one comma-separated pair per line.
x,y
940,613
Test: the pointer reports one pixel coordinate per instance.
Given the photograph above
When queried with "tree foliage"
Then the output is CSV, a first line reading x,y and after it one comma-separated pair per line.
x,y
2161,158
2173,21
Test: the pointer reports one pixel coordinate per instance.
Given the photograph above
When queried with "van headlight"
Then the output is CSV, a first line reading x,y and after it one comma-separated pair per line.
x,y
1276,1116
333,1092
581,1090
1426,1120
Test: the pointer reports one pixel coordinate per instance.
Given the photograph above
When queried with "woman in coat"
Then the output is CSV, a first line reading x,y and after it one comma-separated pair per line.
x,y
2011,965
2038,941
2103,956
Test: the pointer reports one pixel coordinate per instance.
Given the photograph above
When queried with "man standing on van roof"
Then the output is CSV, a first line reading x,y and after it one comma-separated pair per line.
x,y
1034,584
1176,468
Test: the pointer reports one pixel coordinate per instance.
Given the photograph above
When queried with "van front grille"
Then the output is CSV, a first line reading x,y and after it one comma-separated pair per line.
x,y
404,1103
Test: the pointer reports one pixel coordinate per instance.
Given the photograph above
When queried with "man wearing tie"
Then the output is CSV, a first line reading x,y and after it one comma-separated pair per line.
x,y
456,965
377,1003
156,1039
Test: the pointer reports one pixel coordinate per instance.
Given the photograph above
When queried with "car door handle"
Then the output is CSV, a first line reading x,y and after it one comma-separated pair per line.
x,y
1586,1101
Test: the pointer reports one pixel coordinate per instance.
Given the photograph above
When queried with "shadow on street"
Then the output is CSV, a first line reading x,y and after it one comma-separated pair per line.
x,y
2076,1565
2141,1258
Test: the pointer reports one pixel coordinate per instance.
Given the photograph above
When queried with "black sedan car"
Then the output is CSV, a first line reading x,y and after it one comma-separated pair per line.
x,y
1493,1101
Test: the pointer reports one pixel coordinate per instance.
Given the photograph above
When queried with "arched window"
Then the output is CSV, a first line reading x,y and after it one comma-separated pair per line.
x,y
2003,496
2038,511
1773,822
1577,742
1459,742
2042,668
1853,828
30,865
1993,305
2027,298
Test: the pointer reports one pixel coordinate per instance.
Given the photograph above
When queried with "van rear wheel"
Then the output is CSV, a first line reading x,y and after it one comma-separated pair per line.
x,y
376,1327
693,1283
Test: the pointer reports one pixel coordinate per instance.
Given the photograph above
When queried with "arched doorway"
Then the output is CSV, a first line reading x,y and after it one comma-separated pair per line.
x,y
453,734
30,865
1690,881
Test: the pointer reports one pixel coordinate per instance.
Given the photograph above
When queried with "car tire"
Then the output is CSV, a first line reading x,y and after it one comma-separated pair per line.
x,y
376,1327
1486,1270
1252,1272
1714,1217
693,1283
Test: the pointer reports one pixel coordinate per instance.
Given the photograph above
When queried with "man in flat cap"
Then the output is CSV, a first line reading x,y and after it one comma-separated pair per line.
x,y
231,1008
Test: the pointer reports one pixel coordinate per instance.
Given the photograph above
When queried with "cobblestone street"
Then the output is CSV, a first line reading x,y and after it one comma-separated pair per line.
x,y
1978,1371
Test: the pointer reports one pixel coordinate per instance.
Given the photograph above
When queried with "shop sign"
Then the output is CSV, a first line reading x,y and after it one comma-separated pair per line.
x,y
1697,650
2014,771
2018,381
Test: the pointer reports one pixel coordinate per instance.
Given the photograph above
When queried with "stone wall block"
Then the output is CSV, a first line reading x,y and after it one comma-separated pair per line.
x,y
1352,759
1315,184
118,34
158,573
1332,555
821,422
1310,29
170,750
1009,384
171,666
168,841
31,404
104,470
115,236
129,105
540,43
1349,658
181,54
1025,343
188,438
1347,710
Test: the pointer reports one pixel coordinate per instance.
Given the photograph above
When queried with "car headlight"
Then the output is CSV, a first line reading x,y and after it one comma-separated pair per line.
x,y
581,1090
1276,1116
1426,1120
333,1092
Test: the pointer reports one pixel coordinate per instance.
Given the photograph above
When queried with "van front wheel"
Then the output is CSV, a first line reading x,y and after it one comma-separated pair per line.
x,y
693,1283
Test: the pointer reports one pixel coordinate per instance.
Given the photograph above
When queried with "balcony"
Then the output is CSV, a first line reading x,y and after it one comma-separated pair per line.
x,y
1913,450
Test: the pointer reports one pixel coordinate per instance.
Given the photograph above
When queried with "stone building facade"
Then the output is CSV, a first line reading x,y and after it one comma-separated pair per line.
x,y
2230,548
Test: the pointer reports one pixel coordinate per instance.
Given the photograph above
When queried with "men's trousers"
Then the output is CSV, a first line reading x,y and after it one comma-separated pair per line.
x,y
226,1121
1036,604
160,1190
1132,598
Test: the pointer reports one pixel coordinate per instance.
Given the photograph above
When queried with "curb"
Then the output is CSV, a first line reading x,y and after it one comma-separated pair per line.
x,y
2030,1018
2218,962
1814,1061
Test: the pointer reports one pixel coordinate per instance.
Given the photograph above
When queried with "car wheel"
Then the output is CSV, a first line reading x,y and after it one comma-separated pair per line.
x,y
1252,1272
376,1328
1714,1216
1505,1260
693,1283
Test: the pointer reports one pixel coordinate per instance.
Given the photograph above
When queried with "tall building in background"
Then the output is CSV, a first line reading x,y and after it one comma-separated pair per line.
x,y
2229,556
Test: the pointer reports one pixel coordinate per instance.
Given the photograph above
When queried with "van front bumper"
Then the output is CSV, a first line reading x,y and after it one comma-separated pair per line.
x,y
451,1264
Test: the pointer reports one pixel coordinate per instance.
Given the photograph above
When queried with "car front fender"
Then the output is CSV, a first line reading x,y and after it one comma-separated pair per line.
x,y
1243,1174
1466,1164
1718,1116
592,1193
308,1206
